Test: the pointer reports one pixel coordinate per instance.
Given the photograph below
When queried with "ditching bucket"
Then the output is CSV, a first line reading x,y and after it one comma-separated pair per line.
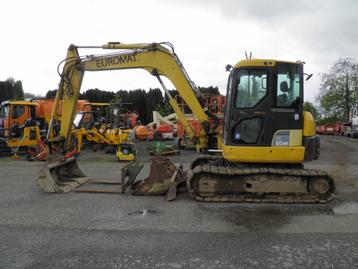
x,y
163,174
61,176
129,173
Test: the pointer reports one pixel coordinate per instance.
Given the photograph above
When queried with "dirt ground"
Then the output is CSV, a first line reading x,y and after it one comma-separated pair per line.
x,y
82,230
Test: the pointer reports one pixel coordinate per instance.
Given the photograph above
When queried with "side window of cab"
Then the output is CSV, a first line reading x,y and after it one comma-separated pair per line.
x,y
288,89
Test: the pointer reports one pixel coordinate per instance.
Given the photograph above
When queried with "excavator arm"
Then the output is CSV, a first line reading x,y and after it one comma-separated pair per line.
x,y
153,57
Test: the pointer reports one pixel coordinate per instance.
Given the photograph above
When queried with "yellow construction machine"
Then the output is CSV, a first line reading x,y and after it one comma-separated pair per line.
x,y
126,151
18,126
257,157
96,133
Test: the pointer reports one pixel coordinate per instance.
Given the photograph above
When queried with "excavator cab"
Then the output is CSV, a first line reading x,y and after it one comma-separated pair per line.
x,y
266,138
264,115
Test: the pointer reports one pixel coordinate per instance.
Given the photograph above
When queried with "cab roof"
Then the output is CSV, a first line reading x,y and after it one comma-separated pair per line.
x,y
262,62
99,104
14,102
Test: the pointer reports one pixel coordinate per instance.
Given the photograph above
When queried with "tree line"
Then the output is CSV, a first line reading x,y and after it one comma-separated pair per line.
x,y
144,102
139,100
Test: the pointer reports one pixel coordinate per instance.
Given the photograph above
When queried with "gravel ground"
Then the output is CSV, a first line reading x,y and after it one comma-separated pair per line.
x,y
81,230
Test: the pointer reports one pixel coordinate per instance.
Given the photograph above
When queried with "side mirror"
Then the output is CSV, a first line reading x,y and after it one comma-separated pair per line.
x,y
228,68
308,76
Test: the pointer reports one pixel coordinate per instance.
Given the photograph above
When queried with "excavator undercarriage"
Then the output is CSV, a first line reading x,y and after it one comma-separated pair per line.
x,y
212,179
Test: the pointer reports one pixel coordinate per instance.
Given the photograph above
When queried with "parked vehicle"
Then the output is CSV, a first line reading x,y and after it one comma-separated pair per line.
x,y
331,129
351,128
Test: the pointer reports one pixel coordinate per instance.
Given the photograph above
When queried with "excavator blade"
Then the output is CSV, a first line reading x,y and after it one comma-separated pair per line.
x,y
61,176
159,180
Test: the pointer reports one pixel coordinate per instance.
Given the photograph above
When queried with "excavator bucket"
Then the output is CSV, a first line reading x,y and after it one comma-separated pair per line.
x,y
162,176
61,176
129,173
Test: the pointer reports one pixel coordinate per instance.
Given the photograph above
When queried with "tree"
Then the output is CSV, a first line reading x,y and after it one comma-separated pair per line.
x,y
124,96
51,94
17,90
154,99
139,103
97,96
11,89
328,120
339,89
164,109
209,90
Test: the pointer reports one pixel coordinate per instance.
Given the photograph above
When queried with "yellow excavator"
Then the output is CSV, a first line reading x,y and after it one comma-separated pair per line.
x,y
259,154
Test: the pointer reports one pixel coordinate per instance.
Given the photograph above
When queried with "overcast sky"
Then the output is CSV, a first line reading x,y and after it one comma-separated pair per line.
x,y
207,35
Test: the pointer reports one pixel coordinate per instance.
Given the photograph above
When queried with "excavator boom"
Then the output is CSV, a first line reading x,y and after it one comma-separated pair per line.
x,y
155,58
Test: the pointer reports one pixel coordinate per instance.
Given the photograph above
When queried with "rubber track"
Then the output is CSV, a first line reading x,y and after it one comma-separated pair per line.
x,y
217,171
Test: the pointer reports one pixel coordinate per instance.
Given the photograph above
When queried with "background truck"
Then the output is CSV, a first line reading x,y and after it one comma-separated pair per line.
x,y
351,128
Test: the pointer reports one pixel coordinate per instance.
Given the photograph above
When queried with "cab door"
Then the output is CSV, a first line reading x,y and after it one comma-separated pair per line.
x,y
287,110
248,107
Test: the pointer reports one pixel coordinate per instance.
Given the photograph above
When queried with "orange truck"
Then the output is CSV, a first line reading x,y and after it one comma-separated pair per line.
x,y
44,109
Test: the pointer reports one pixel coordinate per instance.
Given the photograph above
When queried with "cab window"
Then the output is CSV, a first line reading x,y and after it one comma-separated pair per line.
x,y
288,87
4,111
248,131
251,88
17,111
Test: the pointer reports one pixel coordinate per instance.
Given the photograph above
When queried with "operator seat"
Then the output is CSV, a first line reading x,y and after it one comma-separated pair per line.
x,y
282,99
